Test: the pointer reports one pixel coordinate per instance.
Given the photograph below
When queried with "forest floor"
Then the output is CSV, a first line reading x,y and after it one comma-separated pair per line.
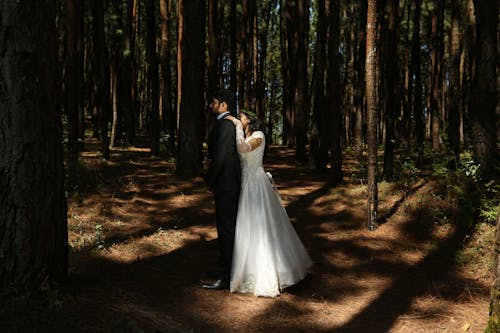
x,y
142,239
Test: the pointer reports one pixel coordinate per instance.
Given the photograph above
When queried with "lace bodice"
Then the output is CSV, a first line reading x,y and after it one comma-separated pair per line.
x,y
252,160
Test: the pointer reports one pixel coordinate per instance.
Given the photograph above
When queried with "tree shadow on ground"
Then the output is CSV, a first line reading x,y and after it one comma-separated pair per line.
x,y
162,293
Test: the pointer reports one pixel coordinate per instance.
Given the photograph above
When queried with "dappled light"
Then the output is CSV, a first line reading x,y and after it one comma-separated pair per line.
x,y
143,240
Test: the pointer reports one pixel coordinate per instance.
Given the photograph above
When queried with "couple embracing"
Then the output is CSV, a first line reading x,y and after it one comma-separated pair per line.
x,y
260,252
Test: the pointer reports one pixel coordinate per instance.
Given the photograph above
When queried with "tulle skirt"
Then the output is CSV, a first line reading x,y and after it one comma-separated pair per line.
x,y
268,254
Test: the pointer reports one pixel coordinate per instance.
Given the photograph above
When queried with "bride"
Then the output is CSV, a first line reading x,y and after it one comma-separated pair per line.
x,y
268,255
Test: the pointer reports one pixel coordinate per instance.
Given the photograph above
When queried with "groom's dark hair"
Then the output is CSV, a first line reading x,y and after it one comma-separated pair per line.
x,y
226,96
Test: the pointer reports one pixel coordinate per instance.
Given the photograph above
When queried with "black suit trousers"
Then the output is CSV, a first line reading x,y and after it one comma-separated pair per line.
x,y
226,209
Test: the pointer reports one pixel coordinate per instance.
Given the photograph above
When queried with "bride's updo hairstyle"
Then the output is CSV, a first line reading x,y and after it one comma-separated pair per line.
x,y
255,124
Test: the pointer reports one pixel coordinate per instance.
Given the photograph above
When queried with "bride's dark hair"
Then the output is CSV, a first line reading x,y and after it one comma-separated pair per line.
x,y
255,124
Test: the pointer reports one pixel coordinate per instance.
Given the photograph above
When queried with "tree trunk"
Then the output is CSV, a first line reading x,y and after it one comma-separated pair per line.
x,y
243,56
153,84
33,226
116,71
101,79
416,72
127,85
494,319
301,91
484,92
286,60
372,116
213,47
319,138
251,70
407,88
166,75
192,101
391,75
359,65
232,36
334,91
454,83
74,75
436,71
180,41
260,86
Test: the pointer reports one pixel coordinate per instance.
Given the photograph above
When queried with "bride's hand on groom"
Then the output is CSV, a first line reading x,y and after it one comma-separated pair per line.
x,y
235,121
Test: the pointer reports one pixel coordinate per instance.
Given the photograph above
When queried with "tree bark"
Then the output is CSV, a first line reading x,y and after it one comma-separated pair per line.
x,y
101,74
372,116
319,139
484,92
232,36
153,83
33,227
213,46
74,76
454,83
243,57
192,101
359,94
286,60
416,73
334,91
494,316
127,85
166,75
116,72
301,83
436,71
391,75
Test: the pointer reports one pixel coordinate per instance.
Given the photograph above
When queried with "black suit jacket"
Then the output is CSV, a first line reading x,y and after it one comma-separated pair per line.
x,y
224,171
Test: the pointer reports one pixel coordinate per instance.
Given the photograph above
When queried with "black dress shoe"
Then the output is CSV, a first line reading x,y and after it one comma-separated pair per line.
x,y
217,285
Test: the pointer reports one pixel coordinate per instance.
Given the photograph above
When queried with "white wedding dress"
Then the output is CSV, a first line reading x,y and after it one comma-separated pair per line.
x,y
268,255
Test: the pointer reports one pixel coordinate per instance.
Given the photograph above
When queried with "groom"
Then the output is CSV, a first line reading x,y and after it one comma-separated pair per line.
x,y
224,179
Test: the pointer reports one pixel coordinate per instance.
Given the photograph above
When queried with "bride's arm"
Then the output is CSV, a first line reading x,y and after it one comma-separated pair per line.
x,y
242,145
249,145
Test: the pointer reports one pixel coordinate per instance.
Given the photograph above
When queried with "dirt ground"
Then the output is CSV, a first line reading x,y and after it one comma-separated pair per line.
x,y
143,239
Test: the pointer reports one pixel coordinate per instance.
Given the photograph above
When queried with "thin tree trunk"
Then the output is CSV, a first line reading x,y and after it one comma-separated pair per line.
x,y
33,225
101,81
391,74
407,90
213,46
251,70
334,91
74,75
416,72
261,87
359,66
166,75
127,76
116,71
372,116
285,19
243,56
301,91
319,140
180,40
232,36
454,82
436,76
153,84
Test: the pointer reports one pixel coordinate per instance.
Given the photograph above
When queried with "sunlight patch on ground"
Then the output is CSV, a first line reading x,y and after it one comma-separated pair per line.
x,y
159,243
